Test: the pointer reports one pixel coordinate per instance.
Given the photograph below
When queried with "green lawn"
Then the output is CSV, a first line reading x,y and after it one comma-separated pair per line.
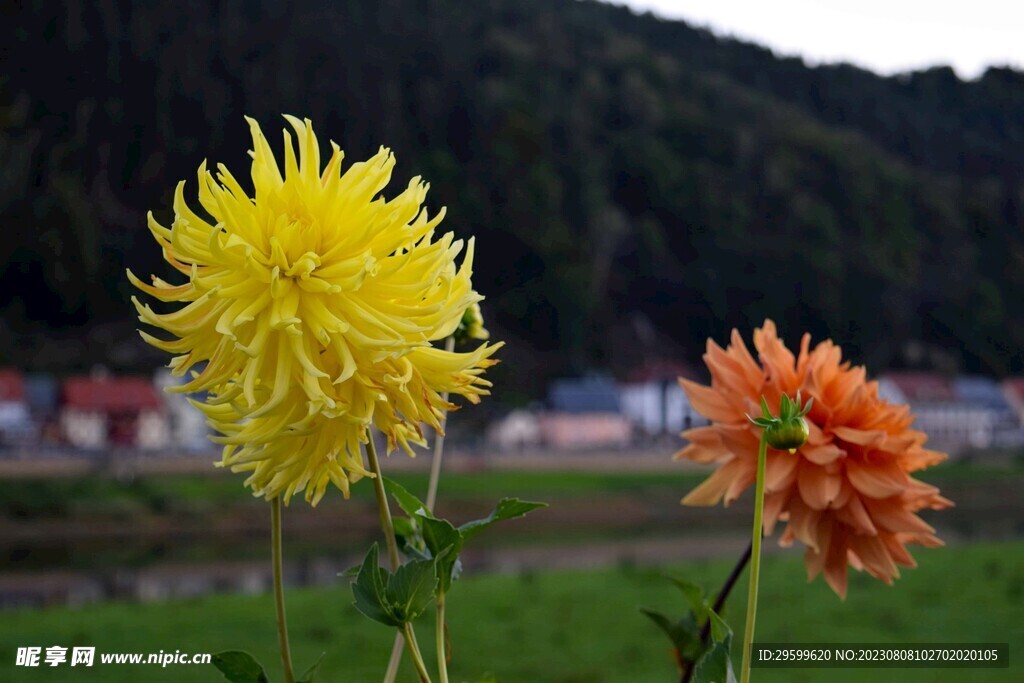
x,y
211,492
560,627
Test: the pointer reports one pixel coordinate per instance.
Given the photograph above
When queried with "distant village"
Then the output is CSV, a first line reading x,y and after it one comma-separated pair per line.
x,y
102,411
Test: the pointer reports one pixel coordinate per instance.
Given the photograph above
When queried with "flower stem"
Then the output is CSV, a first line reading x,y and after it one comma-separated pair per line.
x,y
723,594
442,651
282,624
414,652
383,508
435,477
435,465
388,527
755,556
395,659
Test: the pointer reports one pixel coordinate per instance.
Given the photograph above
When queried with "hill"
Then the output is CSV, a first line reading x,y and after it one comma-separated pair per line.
x,y
621,172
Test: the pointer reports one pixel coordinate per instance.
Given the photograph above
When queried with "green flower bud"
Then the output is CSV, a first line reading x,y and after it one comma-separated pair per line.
x,y
789,430
471,326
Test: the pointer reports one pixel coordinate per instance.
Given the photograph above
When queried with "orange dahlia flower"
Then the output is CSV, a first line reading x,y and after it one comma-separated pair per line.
x,y
847,494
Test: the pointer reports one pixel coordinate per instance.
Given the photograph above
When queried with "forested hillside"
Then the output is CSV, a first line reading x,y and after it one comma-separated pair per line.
x,y
620,172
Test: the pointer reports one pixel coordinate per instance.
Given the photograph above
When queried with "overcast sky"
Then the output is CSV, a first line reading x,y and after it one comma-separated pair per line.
x,y
887,36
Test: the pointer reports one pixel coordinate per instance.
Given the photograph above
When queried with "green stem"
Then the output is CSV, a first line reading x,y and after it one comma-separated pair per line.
x,y
442,651
383,509
755,559
435,477
282,625
414,652
395,660
388,527
435,465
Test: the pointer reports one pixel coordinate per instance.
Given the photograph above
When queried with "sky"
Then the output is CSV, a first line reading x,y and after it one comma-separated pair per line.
x,y
885,36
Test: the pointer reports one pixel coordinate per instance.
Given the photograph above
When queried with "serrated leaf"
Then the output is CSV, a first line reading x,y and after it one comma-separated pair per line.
x,y
508,508
720,631
370,591
310,674
412,505
680,633
239,667
411,589
694,595
444,542
716,666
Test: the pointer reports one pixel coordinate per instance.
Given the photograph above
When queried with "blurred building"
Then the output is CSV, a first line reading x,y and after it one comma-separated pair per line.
x,y
584,413
959,413
42,395
519,430
655,403
99,412
16,424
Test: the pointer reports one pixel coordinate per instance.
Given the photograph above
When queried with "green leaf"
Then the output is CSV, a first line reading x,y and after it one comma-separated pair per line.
x,y
720,631
239,667
370,591
405,528
409,503
683,633
508,508
765,413
444,542
694,595
715,666
411,589
311,671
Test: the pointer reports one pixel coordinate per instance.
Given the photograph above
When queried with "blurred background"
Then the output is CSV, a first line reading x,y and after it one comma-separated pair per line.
x,y
636,182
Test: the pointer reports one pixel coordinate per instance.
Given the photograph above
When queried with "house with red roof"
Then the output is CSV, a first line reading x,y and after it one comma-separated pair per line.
x,y
16,425
1013,391
103,411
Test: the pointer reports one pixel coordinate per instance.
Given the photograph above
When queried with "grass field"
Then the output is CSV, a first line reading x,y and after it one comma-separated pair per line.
x,y
564,627
106,496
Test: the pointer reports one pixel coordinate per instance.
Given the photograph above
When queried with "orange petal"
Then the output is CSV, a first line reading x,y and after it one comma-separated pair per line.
x,y
711,490
856,516
897,550
875,555
835,563
727,371
739,439
701,453
890,515
818,487
861,437
876,480
773,504
803,523
747,475
822,454
780,471
751,368
814,559
709,403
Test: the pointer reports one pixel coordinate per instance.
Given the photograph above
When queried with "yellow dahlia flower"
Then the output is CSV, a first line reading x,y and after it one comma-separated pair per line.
x,y
311,308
